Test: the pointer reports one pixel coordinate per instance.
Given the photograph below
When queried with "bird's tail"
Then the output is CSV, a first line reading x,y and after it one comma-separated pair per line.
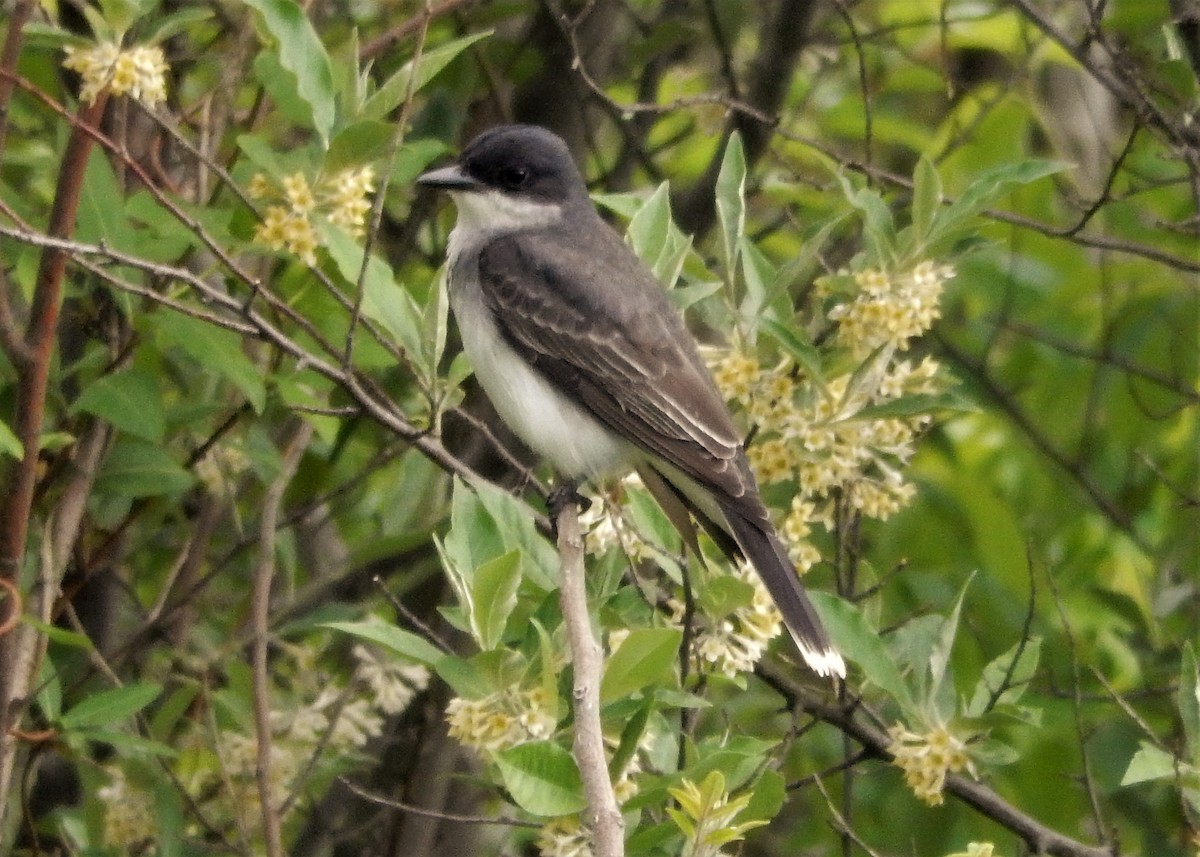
x,y
769,557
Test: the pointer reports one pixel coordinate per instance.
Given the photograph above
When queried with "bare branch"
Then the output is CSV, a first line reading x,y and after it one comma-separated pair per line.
x,y
604,814
1039,838
262,612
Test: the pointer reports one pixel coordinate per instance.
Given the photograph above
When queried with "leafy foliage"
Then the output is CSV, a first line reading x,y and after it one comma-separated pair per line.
x,y
943,256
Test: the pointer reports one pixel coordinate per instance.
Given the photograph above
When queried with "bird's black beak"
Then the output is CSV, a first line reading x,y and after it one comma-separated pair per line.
x,y
448,178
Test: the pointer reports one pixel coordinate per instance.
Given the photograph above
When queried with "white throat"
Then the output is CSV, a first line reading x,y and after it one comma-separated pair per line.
x,y
486,214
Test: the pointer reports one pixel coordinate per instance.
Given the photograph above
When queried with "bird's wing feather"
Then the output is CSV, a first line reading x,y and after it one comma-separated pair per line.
x,y
622,352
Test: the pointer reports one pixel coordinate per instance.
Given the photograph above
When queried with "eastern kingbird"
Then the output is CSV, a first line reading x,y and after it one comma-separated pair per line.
x,y
587,360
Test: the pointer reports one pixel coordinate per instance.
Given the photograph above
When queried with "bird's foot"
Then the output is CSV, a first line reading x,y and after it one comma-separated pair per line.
x,y
563,495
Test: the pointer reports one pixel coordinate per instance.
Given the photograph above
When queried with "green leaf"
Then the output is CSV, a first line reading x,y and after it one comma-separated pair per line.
x,y
984,190
514,528
49,690
101,216
384,300
631,737
414,158
278,164
494,595
548,656
214,348
172,711
130,400
357,144
302,54
801,350
174,24
768,797
135,468
62,636
110,706
1149,763
1018,675
10,443
722,595
127,743
859,642
643,658
463,677
939,658
685,296
542,778
916,404
927,197
395,89
731,202
758,272
656,239
1189,701
397,640
806,263
283,91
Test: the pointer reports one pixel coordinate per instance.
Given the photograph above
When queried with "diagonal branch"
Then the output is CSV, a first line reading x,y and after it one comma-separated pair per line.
x,y
1039,838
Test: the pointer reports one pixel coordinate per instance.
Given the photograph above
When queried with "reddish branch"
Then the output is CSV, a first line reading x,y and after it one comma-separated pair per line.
x,y
33,363
31,355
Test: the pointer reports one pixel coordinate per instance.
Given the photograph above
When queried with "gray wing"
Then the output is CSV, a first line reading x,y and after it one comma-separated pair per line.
x,y
588,316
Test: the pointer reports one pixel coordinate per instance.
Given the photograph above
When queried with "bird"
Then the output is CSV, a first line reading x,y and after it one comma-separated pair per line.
x,y
586,359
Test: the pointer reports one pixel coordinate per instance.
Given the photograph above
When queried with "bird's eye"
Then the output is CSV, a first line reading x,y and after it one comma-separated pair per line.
x,y
514,177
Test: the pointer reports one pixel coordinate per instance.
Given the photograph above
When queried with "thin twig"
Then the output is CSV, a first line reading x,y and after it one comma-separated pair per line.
x,y
432,813
262,616
389,167
603,812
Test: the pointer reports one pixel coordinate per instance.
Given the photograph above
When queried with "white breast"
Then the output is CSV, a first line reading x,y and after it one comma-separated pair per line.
x,y
547,421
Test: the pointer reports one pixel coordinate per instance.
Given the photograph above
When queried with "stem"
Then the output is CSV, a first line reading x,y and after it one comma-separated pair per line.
x,y
262,616
33,377
603,813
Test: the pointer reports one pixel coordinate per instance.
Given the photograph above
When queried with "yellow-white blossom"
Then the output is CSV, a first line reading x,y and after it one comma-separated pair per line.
x,y
564,837
288,223
392,682
735,643
139,72
285,229
129,818
345,195
503,719
605,525
927,757
891,307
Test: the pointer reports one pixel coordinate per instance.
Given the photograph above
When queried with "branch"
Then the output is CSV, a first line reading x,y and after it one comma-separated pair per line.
x,y
1039,838
756,115
1107,506
33,380
262,616
604,815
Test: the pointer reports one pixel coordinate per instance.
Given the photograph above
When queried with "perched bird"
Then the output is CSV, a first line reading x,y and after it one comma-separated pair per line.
x,y
586,359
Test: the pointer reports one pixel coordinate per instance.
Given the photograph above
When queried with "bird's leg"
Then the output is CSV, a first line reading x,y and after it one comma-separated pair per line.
x,y
565,493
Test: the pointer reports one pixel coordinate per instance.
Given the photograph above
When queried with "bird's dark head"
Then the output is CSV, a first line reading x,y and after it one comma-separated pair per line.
x,y
516,161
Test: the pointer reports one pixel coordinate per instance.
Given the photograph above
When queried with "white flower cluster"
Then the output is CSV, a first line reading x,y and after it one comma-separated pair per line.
x,y
735,643
502,719
927,757
339,719
139,72
606,527
891,308
821,434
